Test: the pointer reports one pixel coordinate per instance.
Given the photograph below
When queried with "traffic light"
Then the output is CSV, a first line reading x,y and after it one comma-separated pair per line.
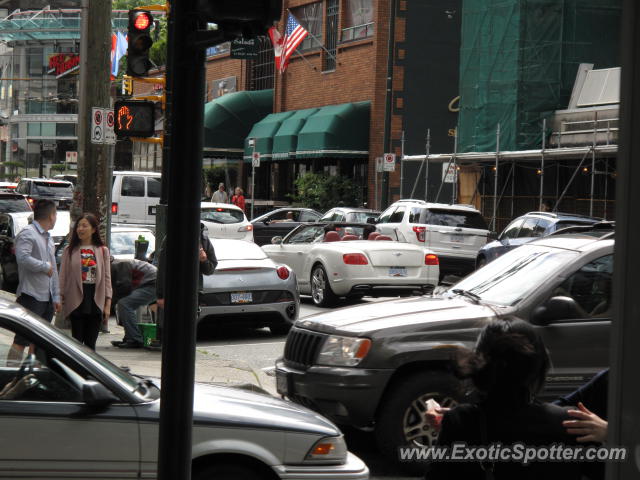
x,y
240,18
140,41
134,118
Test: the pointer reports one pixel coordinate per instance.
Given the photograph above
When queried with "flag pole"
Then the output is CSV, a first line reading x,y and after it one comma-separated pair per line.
x,y
306,61
316,39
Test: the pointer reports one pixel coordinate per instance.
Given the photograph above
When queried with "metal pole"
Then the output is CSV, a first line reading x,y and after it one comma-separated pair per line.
x,y
186,79
584,157
606,185
513,184
544,143
402,167
593,162
376,192
454,187
253,179
495,180
426,174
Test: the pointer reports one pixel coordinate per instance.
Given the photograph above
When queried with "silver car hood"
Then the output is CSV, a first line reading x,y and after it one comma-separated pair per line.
x,y
425,313
234,407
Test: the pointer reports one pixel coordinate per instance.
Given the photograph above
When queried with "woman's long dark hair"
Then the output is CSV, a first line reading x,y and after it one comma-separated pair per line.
x,y
95,238
510,361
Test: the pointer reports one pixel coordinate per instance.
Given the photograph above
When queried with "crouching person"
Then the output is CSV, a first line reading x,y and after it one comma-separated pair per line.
x,y
134,286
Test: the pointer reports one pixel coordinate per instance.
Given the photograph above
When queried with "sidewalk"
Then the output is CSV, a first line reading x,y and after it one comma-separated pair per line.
x,y
209,366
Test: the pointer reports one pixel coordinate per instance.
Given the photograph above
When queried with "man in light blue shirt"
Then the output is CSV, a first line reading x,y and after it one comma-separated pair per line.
x,y
38,289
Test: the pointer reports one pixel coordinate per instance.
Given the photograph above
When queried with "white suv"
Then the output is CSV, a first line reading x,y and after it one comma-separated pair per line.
x,y
453,232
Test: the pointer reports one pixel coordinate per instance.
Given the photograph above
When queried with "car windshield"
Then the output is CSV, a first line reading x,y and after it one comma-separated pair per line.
x,y
360,217
11,204
58,189
221,215
237,250
455,218
123,243
515,275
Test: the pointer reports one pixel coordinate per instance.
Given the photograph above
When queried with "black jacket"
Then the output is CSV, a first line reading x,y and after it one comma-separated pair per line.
x,y
532,424
208,267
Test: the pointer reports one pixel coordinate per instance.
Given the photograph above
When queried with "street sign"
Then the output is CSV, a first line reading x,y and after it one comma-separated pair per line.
x,y
255,159
244,48
72,157
449,171
109,134
379,164
97,125
389,164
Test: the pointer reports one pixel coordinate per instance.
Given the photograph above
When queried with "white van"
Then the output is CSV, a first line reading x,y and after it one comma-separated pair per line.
x,y
135,196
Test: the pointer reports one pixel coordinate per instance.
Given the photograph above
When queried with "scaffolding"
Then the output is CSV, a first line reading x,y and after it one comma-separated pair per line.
x,y
525,172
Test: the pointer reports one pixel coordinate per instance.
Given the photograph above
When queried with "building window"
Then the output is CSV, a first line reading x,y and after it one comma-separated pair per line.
x,y
333,10
262,69
310,17
358,20
218,49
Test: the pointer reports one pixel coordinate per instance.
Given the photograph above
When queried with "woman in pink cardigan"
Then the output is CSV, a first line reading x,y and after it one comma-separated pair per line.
x,y
85,281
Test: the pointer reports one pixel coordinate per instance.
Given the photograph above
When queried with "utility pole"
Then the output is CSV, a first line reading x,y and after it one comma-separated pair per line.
x,y
93,159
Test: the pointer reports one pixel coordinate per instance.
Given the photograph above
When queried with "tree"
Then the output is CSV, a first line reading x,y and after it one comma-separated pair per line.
x,y
323,192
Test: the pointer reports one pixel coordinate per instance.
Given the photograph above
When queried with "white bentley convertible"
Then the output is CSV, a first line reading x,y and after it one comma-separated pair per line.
x,y
333,260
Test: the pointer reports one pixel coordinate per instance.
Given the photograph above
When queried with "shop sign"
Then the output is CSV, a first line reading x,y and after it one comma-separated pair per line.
x,y
62,63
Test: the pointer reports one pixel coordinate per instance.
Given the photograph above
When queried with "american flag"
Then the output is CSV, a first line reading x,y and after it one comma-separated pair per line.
x,y
293,36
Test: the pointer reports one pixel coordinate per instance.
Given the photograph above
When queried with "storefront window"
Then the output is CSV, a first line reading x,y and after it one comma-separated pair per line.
x,y
48,129
310,17
358,20
66,129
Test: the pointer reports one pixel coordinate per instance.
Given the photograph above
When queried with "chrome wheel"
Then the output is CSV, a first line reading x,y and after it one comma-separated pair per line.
x,y
417,431
318,285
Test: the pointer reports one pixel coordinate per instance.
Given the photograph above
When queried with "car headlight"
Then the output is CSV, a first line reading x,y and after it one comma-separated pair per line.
x,y
343,351
328,450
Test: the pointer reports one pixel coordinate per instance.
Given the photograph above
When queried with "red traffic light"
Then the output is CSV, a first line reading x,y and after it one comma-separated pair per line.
x,y
142,21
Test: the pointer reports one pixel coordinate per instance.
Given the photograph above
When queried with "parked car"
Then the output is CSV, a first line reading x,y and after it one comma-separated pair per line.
x,y
8,186
10,225
526,228
453,232
277,223
135,197
123,241
375,365
71,400
347,214
248,288
334,260
13,203
73,178
60,191
224,220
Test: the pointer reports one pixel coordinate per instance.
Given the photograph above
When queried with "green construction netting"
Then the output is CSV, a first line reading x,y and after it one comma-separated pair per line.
x,y
229,119
518,63
336,131
263,133
285,140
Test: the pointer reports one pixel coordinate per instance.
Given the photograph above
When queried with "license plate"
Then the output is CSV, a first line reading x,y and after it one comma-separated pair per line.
x,y
397,271
282,382
457,237
241,297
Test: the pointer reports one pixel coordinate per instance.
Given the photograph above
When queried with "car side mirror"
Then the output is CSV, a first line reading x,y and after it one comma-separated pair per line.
x,y
554,309
97,395
276,240
372,221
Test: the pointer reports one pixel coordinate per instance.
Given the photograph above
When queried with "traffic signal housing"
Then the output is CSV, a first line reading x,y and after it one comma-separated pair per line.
x,y
134,118
140,41
240,18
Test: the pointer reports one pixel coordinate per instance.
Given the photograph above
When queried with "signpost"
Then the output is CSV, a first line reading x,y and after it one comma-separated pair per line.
x,y
109,134
389,164
255,162
97,125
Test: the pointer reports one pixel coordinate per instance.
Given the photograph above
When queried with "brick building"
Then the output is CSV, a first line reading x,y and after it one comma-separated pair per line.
x,y
345,99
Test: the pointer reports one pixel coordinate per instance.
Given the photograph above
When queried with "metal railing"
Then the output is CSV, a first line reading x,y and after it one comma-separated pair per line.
x,y
357,32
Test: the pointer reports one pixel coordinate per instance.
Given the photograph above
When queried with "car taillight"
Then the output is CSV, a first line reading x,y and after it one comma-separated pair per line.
x,y
355,259
114,208
431,259
246,228
31,201
283,272
420,233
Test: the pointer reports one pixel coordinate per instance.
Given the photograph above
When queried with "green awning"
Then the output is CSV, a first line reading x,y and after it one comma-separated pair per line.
x,y
285,140
263,133
336,131
229,119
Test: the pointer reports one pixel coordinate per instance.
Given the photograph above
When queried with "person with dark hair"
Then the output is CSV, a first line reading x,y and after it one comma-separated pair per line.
x,y
38,288
85,281
508,368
